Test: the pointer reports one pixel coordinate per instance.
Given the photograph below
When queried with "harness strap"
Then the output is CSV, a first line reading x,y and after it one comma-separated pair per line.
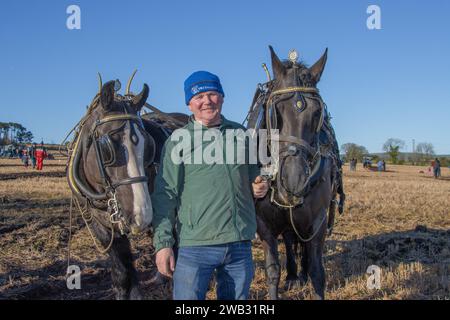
x,y
290,90
130,181
117,117
295,140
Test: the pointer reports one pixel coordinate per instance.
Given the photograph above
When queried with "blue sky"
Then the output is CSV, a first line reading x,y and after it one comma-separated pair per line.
x,y
378,84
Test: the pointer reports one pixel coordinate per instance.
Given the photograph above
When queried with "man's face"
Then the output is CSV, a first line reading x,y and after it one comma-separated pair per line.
x,y
206,107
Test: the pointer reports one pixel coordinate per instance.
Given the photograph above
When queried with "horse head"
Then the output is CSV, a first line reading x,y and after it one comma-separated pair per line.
x,y
296,109
111,156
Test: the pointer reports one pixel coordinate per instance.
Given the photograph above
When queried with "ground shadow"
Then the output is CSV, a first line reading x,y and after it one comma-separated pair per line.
x,y
20,165
33,174
17,203
425,246
446,178
50,282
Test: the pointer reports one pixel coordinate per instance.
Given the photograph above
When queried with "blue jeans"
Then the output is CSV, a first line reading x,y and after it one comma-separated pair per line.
x,y
233,266
437,172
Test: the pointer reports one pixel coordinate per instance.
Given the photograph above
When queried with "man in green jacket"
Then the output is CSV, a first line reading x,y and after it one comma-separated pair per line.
x,y
208,202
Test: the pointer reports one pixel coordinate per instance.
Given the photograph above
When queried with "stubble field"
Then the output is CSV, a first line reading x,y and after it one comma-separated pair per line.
x,y
398,220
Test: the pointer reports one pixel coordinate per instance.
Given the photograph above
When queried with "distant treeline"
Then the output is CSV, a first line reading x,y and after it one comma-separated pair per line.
x,y
423,154
14,133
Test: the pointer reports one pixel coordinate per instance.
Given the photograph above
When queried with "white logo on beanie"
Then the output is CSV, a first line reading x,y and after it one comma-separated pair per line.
x,y
195,90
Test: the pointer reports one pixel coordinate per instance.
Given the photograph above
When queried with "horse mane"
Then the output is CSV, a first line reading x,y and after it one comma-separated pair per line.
x,y
289,64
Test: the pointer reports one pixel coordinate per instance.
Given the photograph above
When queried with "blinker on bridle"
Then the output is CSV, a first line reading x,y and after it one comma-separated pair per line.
x,y
102,163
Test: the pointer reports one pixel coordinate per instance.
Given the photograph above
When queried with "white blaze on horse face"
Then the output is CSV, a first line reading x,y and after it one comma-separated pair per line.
x,y
142,204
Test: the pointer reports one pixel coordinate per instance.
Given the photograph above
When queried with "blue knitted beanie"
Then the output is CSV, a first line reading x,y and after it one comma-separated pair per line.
x,y
201,81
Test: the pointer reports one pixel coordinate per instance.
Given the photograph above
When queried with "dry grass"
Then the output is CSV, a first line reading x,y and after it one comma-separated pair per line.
x,y
378,227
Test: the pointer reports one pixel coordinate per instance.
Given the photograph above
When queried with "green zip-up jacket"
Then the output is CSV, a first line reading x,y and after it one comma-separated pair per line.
x,y
208,203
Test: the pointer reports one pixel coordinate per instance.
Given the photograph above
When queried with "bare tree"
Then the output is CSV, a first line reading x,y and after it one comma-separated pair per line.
x,y
352,150
425,151
393,146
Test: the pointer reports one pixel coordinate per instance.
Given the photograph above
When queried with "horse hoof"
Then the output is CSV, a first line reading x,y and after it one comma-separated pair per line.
x,y
293,284
315,296
121,295
273,293
135,294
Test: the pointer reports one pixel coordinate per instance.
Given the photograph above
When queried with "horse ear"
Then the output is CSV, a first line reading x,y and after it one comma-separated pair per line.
x,y
139,100
107,95
277,66
318,67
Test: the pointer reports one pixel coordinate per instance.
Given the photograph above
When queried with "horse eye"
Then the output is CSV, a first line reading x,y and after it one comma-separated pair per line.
x,y
106,147
115,137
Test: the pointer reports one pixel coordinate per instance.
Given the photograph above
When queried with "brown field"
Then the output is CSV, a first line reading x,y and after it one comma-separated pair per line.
x,y
398,220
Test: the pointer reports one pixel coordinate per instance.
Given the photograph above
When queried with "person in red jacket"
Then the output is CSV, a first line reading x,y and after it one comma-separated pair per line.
x,y
40,154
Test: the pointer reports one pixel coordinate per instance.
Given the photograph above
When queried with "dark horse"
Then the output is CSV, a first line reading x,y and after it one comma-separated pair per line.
x,y
305,179
110,172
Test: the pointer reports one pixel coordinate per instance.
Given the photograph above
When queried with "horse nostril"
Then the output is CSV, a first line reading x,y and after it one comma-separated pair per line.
x,y
135,230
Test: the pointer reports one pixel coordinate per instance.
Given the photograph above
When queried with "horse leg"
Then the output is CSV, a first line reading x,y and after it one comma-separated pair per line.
x,y
315,269
272,266
123,274
331,215
340,191
291,266
304,263
272,263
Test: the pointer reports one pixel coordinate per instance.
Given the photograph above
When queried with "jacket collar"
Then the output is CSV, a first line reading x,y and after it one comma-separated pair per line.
x,y
224,124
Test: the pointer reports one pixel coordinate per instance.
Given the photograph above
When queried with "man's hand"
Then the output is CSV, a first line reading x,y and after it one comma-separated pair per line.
x,y
165,261
260,187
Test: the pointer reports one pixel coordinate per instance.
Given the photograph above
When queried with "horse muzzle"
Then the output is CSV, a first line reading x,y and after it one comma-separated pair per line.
x,y
136,230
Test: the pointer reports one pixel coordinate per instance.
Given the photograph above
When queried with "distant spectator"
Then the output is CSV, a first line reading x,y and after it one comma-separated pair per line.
x,y
380,165
352,164
384,165
25,157
437,168
32,155
40,155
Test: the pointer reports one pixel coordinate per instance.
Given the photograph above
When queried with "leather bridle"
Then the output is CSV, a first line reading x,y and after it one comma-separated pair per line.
x,y
107,198
313,156
107,181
